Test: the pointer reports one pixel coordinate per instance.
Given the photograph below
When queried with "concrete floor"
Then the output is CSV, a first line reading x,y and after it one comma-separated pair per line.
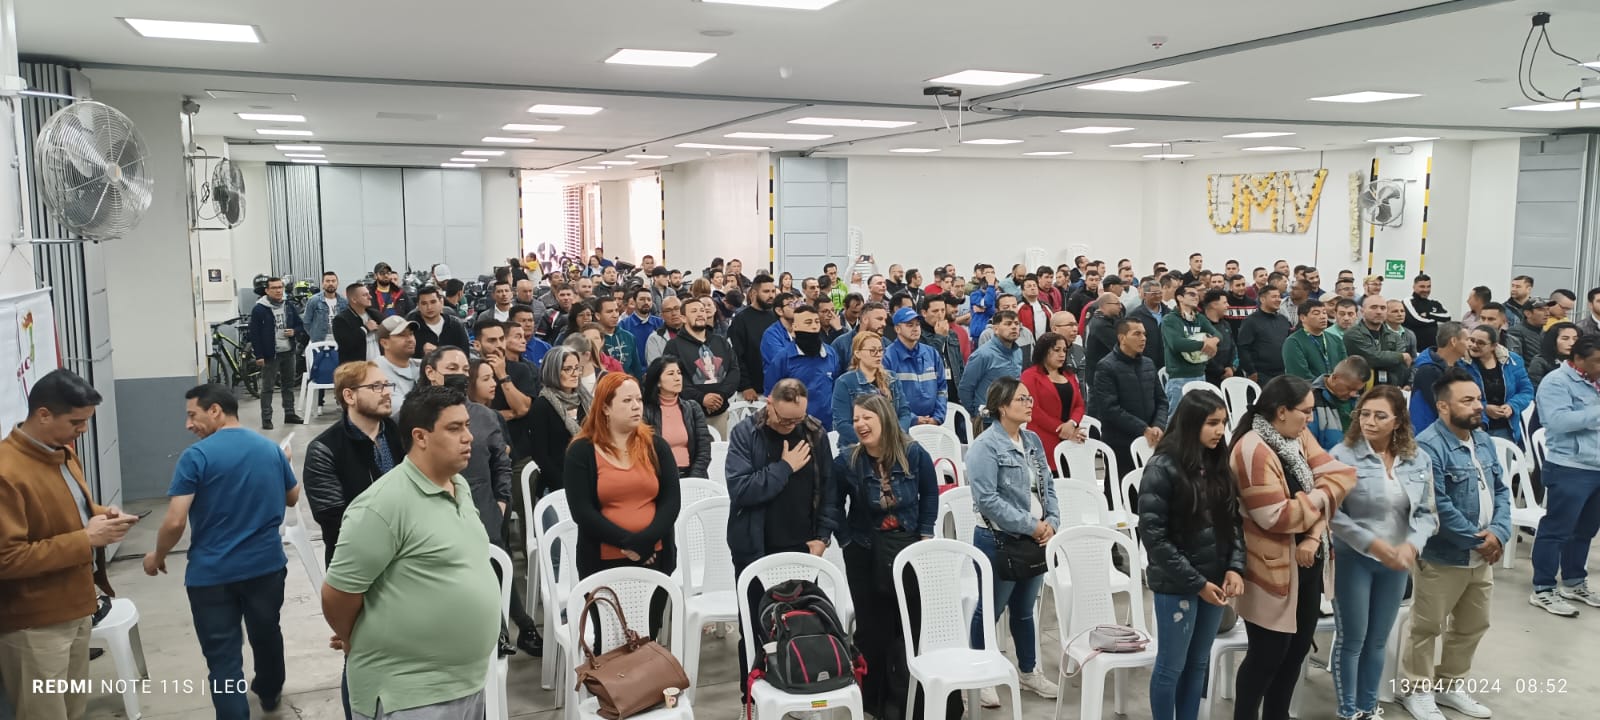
x,y
1525,643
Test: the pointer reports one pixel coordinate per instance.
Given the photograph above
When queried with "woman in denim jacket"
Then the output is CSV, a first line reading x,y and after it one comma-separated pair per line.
x,y
1013,492
867,375
1377,533
893,495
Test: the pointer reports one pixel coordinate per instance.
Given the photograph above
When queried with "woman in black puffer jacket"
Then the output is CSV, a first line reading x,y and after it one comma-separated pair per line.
x,y
1190,525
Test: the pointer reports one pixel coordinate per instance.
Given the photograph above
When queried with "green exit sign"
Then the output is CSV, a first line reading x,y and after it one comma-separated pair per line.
x,y
1394,269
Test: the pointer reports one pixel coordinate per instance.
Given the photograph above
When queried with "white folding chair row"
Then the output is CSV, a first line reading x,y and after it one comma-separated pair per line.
x,y
1082,555
706,572
494,685
940,657
1517,469
769,702
636,588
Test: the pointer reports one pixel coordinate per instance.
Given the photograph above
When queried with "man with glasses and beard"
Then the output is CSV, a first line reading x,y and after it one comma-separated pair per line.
x,y
354,452
671,324
711,373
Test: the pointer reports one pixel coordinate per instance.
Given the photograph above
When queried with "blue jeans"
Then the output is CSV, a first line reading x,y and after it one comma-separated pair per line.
x,y
1185,628
1175,391
217,612
1571,519
1366,601
1019,598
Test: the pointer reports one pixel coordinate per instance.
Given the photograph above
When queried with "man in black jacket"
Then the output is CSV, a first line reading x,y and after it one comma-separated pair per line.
x,y
1127,397
1100,335
355,325
1150,314
710,366
351,454
745,333
1261,338
435,328
1423,313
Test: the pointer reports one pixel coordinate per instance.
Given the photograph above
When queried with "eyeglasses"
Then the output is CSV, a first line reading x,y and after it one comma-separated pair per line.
x,y
872,351
1024,399
1306,411
572,370
781,421
378,387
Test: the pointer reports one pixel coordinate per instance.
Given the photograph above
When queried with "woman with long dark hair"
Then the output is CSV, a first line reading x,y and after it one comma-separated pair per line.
x,y
1554,348
1288,487
1058,402
1194,538
676,419
1377,533
581,314
786,282
1507,390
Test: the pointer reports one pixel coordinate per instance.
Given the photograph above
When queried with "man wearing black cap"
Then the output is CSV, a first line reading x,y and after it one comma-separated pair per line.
x,y
388,298
659,290
397,338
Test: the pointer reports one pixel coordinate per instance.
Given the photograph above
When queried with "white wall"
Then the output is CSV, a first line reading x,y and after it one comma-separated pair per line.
x,y
252,239
717,208
1491,216
616,236
502,220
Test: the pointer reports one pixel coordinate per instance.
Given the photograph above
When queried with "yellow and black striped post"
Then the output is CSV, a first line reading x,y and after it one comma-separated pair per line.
x,y
1427,197
1372,228
772,222
661,187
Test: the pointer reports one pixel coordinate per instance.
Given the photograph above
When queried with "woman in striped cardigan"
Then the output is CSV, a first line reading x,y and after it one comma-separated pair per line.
x,y
1288,488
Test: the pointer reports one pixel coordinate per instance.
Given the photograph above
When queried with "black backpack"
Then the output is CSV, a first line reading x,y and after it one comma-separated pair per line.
x,y
807,649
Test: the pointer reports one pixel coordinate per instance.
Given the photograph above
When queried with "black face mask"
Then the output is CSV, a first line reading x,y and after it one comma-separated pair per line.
x,y
457,381
810,343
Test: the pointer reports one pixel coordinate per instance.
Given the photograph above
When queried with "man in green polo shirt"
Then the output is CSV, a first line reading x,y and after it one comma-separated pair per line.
x,y
411,596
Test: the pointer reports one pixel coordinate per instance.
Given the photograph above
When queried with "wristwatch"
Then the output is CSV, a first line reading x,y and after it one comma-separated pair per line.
x,y
502,379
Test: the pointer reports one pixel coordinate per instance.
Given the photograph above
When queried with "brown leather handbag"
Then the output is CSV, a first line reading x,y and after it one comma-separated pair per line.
x,y
631,678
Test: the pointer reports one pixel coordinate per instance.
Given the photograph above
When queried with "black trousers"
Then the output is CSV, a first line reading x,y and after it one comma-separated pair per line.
x,y
881,639
1272,661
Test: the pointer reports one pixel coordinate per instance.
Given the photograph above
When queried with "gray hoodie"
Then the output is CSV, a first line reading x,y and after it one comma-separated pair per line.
x,y
280,321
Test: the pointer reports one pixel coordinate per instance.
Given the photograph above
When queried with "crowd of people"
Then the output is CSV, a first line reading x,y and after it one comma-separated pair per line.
x,y
1364,470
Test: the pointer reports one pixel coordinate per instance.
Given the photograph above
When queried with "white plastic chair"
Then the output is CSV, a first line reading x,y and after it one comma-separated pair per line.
x,y
1083,555
1516,467
1124,513
530,539
296,534
941,443
1083,504
306,386
1239,392
833,442
1078,460
715,435
1091,427
953,411
635,588
718,471
1141,451
1222,678
118,633
1203,386
555,584
941,658
702,540
957,516
769,702
494,686
738,410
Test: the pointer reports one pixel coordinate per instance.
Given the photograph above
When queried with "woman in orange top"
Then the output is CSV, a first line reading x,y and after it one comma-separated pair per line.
x,y
1288,489
621,483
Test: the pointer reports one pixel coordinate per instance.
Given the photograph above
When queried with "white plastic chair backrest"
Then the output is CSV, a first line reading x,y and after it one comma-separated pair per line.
x,y
715,434
1141,451
1127,488
692,490
291,515
1091,427
941,566
530,540
1077,460
311,352
635,588
1239,392
718,471
1203,386
738,410
1161,376
1526,421
1084,554
781,567
833,443
550,510
1082,502
556,580
1538,446
957,514
702,538
502,563
940,442
953,411
1514,465
285,443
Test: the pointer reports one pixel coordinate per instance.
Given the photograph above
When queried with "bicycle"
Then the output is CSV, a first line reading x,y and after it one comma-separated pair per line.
x,y
232,362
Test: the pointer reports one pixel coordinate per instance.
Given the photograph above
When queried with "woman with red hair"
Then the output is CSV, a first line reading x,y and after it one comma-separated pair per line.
x,y
621,483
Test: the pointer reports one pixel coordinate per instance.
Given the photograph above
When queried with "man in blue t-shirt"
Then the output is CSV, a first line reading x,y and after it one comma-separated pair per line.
x,y
230,484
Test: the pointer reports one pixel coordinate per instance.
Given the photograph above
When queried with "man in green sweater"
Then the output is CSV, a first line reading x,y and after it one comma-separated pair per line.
x,y
1310,352
1188,342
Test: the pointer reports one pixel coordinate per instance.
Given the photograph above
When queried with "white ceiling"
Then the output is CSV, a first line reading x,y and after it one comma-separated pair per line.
x,y
465,69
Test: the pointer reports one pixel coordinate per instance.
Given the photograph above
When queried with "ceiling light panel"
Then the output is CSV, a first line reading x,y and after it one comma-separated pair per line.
x,y
318,156
1273,148
641,156
1135,85
659,58
308,161
1096,130
456,165
1138,145
524,127
299,148
1168,156
543,109
780,4
508,140
775,136
1556,106
593,167
569,172
483,153
1257,135
853,123
271,117
179,30
716,146
986,78
1365,96
1402,139
278,131
619,163
913,150
1048,153
991,141
469,160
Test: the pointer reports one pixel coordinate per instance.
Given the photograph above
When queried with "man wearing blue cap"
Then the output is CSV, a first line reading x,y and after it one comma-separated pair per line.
x,y
919,369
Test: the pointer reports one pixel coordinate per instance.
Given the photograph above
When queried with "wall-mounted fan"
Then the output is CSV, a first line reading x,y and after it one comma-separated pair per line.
x,y
89,159
1383,202
227,193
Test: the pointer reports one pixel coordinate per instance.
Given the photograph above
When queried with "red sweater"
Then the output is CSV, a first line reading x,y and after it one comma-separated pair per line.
x,y
1047,411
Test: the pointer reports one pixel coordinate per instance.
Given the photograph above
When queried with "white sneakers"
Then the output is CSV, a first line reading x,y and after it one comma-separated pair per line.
x,y
1425,706
1036,683
988,698
1580,593
1552,603
1421,706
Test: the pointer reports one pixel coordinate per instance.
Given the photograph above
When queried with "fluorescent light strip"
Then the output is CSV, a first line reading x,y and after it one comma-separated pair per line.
x,y
1402,139
1096,130
780,4
1133,85
508,140
659,58
457,165
468,160
569,172
593,167
715,146
270,117
524,127
640,156
543,109
1048,153
1138,145
985,78
276,131
308,161
913,150
1272,148
775,136
483,153
299,148
853,123
1168,156
1365,96
1257,135
180,30
618,163
1557,106
305,155
991,141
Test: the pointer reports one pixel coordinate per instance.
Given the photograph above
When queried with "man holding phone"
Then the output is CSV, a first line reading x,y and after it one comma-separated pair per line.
x,y
52,548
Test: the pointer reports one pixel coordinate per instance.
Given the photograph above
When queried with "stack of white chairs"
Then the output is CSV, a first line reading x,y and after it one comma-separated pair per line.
x,y
768,702
1083,554
635,589
494,686
708,593
940,657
